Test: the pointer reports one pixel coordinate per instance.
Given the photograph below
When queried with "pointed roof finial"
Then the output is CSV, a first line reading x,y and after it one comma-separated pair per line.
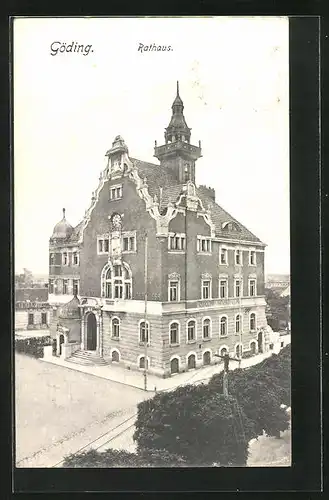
x,y
63,213
177,87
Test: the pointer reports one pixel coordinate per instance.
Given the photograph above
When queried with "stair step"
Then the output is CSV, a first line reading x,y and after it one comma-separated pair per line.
x,y
87,358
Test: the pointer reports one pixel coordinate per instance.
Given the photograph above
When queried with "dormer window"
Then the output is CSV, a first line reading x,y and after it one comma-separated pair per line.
x,y
230,226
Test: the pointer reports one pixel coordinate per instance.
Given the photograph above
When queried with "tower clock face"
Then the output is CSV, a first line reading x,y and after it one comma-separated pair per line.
x,y
116,221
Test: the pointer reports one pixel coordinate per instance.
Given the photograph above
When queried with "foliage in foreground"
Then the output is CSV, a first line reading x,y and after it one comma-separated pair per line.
x,y
196,423
121,459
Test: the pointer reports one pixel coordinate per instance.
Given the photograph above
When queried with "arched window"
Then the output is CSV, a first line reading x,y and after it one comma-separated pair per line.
x,y
116,328
223,351
142,362
252,322
206,328
116,282
223,326
115,356
207,358
253,347
186,172
191,329
238,323
174,333
191,362
144,332
174,365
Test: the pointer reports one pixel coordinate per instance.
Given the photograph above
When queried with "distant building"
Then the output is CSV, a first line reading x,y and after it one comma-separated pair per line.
x,y
32,310
32,315
205,269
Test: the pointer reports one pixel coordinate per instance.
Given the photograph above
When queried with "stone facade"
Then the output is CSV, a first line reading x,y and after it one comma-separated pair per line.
x,y
198,259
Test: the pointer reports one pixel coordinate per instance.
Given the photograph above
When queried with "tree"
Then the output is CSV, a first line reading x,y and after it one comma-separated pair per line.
x,y
277,309
260,391
195,423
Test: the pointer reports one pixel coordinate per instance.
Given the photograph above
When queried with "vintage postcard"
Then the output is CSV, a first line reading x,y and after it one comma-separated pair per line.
x,y
152,250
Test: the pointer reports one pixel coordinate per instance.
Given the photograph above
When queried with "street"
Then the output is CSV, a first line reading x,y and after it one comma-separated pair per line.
x,y
59,410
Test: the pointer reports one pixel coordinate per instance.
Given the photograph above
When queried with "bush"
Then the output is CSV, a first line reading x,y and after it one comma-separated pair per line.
x,y
121,458
32,346
260,390
195,423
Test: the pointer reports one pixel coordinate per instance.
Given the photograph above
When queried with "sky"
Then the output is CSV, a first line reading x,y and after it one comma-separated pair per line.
x,y
234,81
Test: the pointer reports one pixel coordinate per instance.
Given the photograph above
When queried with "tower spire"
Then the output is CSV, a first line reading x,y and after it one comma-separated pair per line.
x,y
177,88
63,213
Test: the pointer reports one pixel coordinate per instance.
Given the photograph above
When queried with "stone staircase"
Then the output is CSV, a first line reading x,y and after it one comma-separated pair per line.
x,y
87,358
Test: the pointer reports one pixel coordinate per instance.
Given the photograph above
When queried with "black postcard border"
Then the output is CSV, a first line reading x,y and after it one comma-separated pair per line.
x,y
305,474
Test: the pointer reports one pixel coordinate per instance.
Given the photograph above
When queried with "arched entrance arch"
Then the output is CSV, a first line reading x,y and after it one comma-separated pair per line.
x,y
260,341
91,325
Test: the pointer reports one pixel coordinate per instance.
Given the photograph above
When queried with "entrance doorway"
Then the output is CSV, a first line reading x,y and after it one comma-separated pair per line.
x,y
91,332
260,342
174,365
61,342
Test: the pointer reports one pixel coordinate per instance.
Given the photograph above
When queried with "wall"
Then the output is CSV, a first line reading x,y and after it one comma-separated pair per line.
x,y
135,218
21,319
128,345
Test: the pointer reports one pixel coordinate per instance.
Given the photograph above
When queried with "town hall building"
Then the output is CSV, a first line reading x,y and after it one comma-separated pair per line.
x,y
205,270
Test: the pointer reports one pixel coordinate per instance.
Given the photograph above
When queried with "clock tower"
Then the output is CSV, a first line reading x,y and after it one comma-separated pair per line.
x,y
177,154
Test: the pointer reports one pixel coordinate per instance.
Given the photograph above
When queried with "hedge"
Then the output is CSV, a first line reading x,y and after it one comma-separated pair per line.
x,y
32,346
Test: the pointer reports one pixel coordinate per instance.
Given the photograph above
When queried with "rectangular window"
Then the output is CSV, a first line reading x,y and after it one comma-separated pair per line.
x,y
51,259
108,290
118,289
237,288
252,288
115,192
206,289
31,319
223,289
252,258
127,291
238,257
51,286
191,331
206,329
173,291
177,242
75,287
129,243
65,259
223,256
43,318
204,245
75,258
65,287
103,245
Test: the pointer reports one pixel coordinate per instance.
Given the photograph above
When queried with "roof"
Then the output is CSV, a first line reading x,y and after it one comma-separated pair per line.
x,y
158,177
